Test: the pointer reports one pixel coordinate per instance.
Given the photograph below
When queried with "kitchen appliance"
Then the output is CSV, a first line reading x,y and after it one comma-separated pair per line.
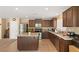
x,y
38,26
71,34
38,29
75,40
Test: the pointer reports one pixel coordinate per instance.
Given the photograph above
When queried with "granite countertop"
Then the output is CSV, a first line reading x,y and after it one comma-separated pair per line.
x,y
61,36
29,34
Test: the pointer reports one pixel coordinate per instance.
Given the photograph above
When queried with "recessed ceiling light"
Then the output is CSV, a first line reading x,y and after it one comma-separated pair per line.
x,y
16,8
26,16
46,9
57,14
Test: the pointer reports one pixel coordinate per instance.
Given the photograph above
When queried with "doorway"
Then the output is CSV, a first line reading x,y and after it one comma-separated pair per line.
x,y
5,28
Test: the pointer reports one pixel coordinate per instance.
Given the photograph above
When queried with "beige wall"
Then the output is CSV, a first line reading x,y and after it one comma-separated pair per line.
x,y
0,28
3,26
60,23
7,23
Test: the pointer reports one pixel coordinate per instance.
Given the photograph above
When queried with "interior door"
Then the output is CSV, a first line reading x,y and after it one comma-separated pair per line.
x,y
14,29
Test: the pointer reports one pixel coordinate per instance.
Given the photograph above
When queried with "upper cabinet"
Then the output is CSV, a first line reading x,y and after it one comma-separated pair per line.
x,y
45,23
65,19
32,23
38,21
78,17
70,17
53,22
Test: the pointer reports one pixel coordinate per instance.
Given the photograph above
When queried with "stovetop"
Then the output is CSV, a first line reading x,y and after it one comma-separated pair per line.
x,y
75,41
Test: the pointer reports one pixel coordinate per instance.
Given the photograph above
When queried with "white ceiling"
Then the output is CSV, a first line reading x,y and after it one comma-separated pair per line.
x,y
31,11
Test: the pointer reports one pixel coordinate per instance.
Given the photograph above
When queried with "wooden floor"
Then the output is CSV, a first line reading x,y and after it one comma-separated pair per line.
x,y
10,45
44,46
73,48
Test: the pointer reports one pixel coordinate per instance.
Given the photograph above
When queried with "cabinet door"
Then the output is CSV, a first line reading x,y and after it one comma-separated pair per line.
x,y
70,17
77,22
52,23
61,46
65,19
64,45
45,35
32,23
27,43
45,23
57,43
52,38
49,36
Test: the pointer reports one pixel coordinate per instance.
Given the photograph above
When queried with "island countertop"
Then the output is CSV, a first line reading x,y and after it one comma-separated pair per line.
x,y
29,34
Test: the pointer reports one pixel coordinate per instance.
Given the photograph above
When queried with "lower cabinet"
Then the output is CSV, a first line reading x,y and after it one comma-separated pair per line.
x,y
57,43
60,44
64,47
45,35
27,43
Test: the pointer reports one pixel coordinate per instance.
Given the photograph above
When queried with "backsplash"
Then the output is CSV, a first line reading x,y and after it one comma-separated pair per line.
x,y
74,29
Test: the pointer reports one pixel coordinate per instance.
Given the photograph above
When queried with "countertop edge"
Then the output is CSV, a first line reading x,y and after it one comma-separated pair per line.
x,y
61,36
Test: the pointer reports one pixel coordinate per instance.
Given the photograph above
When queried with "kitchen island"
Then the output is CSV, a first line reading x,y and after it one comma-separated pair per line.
x,y
28,41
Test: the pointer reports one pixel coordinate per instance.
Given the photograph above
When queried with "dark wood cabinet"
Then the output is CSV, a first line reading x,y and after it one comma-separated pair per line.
x,y
64,19
60,44
45,35
31,23
64,47
27,43
57,40
77,14
53,22
53,39
38,20
45,23
70,17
